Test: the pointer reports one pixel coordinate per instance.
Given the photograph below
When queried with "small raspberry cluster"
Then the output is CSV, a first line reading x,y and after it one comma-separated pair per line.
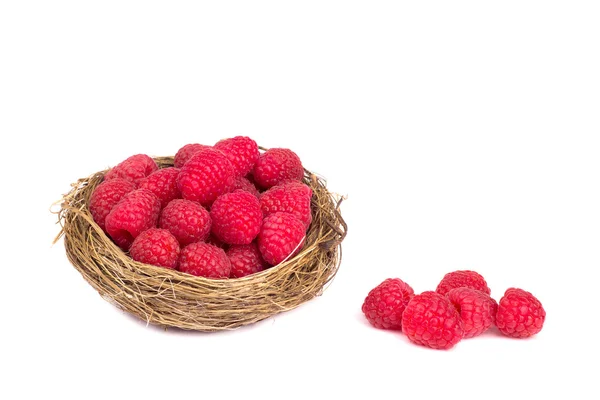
x,y
222,211
460,307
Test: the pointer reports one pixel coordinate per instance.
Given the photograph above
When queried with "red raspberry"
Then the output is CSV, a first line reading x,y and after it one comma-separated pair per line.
x,y
156,247
281,236
292,197
520,314
133,169
247,186
186,152
241,151
203,259
136,212
206,176
431,320
245,260
163,183
385,304
236,217
189,222
275,166
477,309
106,196
456,279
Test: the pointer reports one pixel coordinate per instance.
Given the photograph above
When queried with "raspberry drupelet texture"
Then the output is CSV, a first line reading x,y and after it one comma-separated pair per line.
x,y
203,259
432,321
106,196
241,151
156,247
245,260
244,184
206,176
137,211
281,237
384,305
520,314
465,278
275,166
236,217
188,221
134,169
477,309
292,197
163,183
186,152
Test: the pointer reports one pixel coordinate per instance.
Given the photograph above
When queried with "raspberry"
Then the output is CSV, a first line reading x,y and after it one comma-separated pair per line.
x,y
106,196
275,166
189,222
206,176
385,304
236,217
456,279
133,169
156,247
163,183
247,186
245,260
431,320
520,314
476,309
203,259
292,197
186,152
137,211
241,151
281,236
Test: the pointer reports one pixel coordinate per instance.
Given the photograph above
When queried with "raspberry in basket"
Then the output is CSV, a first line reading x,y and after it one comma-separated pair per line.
x,y
281,237
203,259
292,197
156,247
245,260
188,221
520,314
275,166
244,184
163,183
241,151
136,212
206,176
106,196
432,321
186,152
236,217
477,309
134,169
456,279
385,304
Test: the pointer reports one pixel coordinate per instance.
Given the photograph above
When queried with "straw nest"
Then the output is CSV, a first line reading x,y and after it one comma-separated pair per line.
x,y
173,299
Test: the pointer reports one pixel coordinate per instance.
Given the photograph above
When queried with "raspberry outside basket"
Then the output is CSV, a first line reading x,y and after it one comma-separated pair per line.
x,y
173,299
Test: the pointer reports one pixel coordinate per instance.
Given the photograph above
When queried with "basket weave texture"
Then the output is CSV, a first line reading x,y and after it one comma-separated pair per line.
x,y
173,299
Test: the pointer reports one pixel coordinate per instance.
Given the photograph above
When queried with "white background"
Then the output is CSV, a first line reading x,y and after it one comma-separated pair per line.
x,y
464,134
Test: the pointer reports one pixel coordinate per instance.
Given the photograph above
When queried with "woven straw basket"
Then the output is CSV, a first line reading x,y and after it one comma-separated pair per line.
x,y
173,299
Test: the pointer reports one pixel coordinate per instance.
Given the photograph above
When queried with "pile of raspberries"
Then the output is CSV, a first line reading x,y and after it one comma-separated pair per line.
x,y
222,211
460,307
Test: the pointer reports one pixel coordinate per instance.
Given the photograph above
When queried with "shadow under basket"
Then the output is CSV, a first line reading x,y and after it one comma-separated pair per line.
x,y
173,299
